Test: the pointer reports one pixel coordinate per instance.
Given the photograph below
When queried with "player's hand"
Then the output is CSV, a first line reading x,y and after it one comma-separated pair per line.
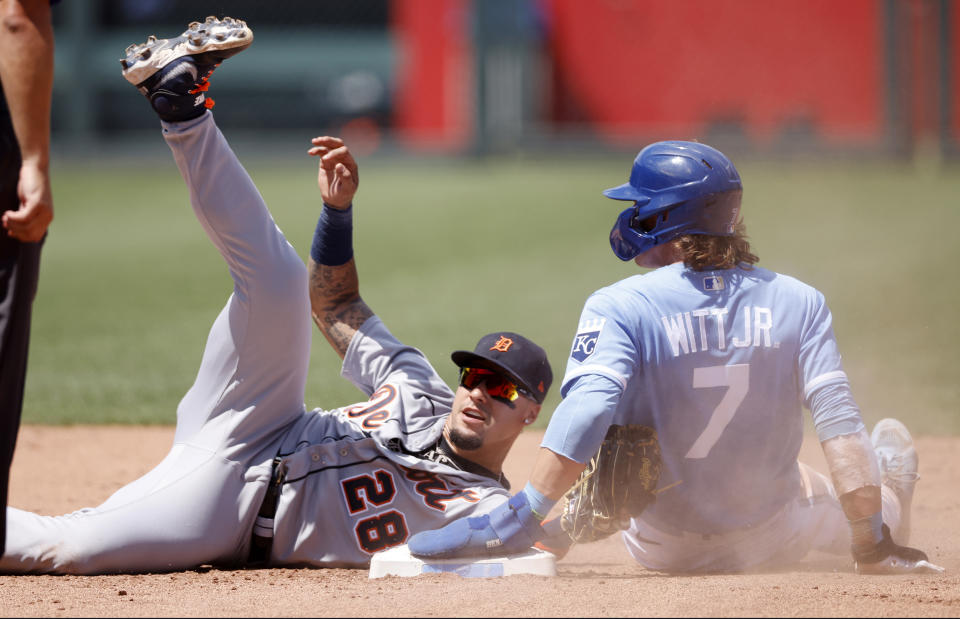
x,y
555,539
339,176
888,557
29,223
509,529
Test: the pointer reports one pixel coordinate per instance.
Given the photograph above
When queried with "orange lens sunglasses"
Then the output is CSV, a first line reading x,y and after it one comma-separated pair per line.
x,y
498,386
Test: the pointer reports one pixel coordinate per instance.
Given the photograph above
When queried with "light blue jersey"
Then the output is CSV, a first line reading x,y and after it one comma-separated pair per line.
x,y
720,363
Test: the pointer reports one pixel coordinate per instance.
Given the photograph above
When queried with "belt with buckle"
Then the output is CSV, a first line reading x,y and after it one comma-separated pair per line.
x,y
262,539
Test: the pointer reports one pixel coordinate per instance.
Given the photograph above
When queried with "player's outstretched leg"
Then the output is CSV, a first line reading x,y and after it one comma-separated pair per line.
x,y
253,371
174,74
898,468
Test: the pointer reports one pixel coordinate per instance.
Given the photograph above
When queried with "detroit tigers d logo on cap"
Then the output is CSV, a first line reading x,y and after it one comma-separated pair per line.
x,y
503,344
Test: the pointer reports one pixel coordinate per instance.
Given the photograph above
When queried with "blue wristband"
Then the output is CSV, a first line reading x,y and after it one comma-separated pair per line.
x,y
540,505
333,238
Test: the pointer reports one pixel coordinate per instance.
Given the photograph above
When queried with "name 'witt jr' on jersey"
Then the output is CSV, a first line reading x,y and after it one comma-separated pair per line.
x,y
706,329
696,331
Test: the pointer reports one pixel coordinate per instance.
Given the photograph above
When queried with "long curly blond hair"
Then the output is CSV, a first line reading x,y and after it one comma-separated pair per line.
x,y
706,252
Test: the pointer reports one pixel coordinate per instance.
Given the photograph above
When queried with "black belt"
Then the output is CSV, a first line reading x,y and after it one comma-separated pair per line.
x,y
262,538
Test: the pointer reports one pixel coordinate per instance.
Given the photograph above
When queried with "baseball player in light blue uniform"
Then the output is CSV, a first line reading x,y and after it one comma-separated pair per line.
x,y
719,357
721,377
252,476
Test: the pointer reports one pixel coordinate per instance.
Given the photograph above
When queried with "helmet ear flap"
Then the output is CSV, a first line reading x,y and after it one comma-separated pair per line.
x,y
626,241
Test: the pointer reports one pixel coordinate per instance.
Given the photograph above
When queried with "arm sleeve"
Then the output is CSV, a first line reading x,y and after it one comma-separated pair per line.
x,y
834,411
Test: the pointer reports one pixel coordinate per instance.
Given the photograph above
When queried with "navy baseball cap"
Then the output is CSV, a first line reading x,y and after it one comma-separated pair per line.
x,y
513,355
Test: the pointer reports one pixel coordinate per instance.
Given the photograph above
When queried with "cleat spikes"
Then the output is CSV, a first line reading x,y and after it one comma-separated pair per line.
x,y
173,73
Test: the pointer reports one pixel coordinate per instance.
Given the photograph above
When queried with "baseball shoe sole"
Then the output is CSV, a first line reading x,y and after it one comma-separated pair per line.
x,y
898,468
209,42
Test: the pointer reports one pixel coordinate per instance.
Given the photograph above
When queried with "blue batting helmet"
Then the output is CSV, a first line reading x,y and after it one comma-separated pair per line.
x,y
690,188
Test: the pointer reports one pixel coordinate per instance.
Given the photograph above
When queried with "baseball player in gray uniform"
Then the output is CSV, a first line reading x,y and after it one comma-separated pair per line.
x,y
252,476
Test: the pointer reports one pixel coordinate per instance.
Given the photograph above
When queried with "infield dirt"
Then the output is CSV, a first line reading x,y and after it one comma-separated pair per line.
x,y
59,469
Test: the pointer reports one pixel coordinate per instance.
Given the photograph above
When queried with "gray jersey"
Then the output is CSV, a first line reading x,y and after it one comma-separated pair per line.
x,y
354,482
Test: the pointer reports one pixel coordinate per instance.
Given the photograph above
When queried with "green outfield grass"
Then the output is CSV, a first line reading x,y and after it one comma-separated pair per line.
x,y
449,251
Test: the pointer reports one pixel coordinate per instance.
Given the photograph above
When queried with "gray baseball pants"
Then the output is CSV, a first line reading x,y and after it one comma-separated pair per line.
x,y
199,504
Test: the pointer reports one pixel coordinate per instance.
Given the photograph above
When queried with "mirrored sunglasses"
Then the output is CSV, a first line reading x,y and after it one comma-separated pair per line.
x,y
498,386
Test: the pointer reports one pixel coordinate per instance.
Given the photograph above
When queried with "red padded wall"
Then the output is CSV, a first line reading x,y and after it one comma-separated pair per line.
x,y
672,67
433,100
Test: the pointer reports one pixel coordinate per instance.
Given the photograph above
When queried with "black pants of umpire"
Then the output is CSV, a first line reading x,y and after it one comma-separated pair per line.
x,y
19,272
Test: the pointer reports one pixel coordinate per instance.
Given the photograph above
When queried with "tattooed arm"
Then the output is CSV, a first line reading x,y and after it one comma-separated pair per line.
x,y
335,301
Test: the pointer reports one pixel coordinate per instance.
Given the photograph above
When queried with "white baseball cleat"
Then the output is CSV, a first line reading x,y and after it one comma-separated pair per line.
x,y
898,468
174,74
223,37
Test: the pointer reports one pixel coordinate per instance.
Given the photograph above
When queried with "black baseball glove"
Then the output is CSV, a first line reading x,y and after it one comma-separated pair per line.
x,y
618,483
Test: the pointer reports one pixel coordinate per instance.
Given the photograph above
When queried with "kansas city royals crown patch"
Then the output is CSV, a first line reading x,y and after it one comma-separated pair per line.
x,y
585,341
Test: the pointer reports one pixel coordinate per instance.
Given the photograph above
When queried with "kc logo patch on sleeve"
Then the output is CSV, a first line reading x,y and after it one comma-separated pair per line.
x,y
585,341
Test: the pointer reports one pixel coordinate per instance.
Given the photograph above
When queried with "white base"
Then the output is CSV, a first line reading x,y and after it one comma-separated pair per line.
x,y
399,562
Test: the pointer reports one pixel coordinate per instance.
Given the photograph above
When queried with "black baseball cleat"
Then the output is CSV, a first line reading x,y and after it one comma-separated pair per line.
x,y
174,74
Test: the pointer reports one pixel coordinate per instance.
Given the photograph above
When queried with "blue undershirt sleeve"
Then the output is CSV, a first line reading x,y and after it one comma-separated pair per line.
x,y
834,411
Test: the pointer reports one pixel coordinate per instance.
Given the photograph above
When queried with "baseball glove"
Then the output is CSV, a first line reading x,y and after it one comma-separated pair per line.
x,y
618,483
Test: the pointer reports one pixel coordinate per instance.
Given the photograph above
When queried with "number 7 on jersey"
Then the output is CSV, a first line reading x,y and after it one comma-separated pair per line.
x,y
737,379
